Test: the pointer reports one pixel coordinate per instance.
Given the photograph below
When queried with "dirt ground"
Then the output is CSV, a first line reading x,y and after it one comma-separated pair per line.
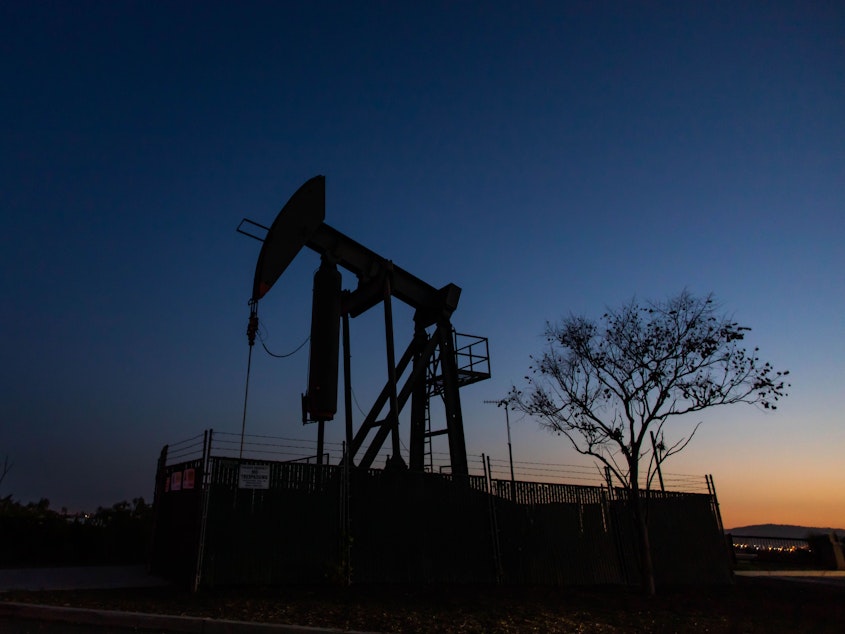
x,y
751,605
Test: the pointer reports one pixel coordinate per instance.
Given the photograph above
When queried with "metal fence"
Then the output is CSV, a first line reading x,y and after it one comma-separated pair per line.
x,y
586,475
297,521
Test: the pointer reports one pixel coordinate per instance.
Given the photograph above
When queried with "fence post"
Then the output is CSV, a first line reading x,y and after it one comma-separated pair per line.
x,y
609,480
203,506
345,519
711,488
155,542
726,541
494,524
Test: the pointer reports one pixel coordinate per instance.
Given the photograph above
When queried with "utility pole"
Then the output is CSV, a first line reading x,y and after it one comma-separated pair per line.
x,y
504,403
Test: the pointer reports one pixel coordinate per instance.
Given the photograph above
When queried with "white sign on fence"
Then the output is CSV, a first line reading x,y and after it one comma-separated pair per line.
x,y
254,476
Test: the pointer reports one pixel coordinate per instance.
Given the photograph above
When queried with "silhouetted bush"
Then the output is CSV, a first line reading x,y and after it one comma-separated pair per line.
x,y
35,535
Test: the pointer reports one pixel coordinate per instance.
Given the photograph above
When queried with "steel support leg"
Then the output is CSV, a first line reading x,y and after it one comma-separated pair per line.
x,y
419,399
452,400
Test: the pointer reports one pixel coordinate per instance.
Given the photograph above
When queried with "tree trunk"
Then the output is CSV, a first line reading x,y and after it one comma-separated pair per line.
x,y
641,527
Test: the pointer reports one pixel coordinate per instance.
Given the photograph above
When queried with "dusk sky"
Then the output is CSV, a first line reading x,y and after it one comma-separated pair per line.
x,y
547,157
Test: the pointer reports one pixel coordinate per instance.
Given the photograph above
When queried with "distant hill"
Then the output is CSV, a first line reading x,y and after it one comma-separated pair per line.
x,y
782,531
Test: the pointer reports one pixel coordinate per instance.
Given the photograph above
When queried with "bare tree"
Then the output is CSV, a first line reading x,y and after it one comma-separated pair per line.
x,y
607,385
4,470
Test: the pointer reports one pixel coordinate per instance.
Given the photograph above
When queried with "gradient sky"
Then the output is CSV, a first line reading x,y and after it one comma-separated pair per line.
x,y
549,158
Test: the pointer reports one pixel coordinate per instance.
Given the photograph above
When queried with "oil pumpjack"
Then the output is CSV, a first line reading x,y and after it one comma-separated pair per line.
x,y
437,361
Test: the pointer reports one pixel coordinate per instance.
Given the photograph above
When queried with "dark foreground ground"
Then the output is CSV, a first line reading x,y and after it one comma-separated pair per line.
x,y
751,605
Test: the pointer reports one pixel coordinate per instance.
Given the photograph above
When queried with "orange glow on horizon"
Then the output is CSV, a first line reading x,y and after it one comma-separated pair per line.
x,y
822,508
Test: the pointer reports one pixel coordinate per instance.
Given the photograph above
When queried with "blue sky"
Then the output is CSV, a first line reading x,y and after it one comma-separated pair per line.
x,y
549,158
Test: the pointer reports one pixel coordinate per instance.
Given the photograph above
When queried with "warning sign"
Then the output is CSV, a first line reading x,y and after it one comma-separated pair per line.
x,y
188,479
176,481
254,476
